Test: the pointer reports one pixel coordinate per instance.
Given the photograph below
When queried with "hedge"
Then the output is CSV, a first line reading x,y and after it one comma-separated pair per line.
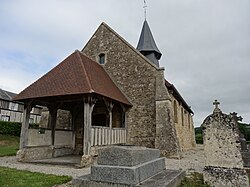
x,y
13,128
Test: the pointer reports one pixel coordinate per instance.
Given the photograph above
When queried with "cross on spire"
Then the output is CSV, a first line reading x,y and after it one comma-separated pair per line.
x,y
145,9
216,104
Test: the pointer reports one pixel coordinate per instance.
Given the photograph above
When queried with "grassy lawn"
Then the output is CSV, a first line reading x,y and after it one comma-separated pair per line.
x,y
12,178
8,145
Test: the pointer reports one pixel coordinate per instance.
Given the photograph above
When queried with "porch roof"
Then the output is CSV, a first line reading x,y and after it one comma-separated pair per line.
x,y
75,75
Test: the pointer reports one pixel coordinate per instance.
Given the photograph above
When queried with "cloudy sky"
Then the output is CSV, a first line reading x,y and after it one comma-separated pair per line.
x,y
205,43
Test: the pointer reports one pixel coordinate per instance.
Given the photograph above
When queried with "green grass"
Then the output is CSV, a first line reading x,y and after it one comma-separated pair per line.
x,y
8,145
195,180
13,177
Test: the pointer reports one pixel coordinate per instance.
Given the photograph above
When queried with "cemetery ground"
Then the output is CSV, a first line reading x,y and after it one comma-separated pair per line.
x,y
25,174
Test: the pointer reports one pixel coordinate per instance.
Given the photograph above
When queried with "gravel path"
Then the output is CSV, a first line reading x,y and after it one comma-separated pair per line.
x,y
11,162
193,160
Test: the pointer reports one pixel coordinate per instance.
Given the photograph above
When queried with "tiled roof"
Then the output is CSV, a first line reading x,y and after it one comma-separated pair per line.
x,y
75,75
5,95
178,96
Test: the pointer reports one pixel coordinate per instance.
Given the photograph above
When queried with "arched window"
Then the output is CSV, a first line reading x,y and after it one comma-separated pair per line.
x,y
175,112
189,120
182,116
102,58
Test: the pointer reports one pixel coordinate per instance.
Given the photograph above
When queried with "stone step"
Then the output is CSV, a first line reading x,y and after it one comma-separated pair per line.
x,y
126,155
127,175
166,178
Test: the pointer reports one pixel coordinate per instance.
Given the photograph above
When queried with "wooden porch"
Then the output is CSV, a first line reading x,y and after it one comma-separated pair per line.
x,y
107,136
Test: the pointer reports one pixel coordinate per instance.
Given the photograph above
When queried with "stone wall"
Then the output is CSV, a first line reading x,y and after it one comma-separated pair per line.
x,y
184,126
42,152
41,139
166,139
223,160
135,76
221,142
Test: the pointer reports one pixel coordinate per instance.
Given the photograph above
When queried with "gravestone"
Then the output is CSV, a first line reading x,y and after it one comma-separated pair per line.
x,y
223,159
127,166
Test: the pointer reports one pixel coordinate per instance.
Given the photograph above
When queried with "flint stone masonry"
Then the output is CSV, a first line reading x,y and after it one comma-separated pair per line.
x,y
223,160
126,155
143,83
221,141
226,177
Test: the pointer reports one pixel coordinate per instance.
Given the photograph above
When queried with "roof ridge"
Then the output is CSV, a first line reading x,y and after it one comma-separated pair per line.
x,y
85,72
124,41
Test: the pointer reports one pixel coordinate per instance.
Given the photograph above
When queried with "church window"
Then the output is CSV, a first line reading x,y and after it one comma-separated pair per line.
x,y
102,58
175,112
189,120
182,116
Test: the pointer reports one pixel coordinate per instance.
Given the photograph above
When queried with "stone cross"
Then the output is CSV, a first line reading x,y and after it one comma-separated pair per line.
x,y
216,104
235,117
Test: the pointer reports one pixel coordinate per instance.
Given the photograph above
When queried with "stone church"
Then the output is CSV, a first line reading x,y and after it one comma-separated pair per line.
x,y
115,94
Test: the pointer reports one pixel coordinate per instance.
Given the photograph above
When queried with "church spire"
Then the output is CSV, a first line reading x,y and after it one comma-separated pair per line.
x,y
147,45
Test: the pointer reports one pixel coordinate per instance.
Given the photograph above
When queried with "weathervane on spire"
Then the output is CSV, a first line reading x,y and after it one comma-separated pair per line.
x,y
145,9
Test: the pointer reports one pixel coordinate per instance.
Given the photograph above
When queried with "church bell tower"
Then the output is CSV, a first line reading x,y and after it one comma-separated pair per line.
x,y
147,45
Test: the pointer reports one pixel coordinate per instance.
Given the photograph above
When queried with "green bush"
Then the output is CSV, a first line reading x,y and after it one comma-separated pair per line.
x,y
14,128
11,128
199,138
245,130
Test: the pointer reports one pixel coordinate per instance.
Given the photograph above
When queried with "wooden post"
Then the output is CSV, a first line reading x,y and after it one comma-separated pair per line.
x,y
109,106
89,104
25,126
52,122
74,127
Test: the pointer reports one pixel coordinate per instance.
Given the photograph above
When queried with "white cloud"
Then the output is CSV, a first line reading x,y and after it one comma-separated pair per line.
x,y
205,44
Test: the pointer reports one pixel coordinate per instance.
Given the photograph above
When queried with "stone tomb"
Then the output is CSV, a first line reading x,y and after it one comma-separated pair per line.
x,y
223,159
121,166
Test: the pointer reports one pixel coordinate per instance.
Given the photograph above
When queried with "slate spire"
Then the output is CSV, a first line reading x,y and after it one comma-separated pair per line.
x,y
147,45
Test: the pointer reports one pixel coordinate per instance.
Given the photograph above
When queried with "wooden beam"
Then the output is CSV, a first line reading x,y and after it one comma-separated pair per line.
x,y
89,103
25,125
52,122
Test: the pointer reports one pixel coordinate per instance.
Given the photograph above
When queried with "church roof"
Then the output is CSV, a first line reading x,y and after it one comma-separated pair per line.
x,y
146,42
178,96
77,74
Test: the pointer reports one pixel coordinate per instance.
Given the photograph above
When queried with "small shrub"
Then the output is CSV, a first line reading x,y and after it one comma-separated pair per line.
x,y
11,128
14,128
34,126
199,138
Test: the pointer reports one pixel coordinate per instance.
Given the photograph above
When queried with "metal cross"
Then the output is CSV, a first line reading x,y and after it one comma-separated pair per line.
x,y
216,103
145,9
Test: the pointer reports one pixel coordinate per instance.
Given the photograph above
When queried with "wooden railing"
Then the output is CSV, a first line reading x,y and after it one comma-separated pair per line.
x,y
107,136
